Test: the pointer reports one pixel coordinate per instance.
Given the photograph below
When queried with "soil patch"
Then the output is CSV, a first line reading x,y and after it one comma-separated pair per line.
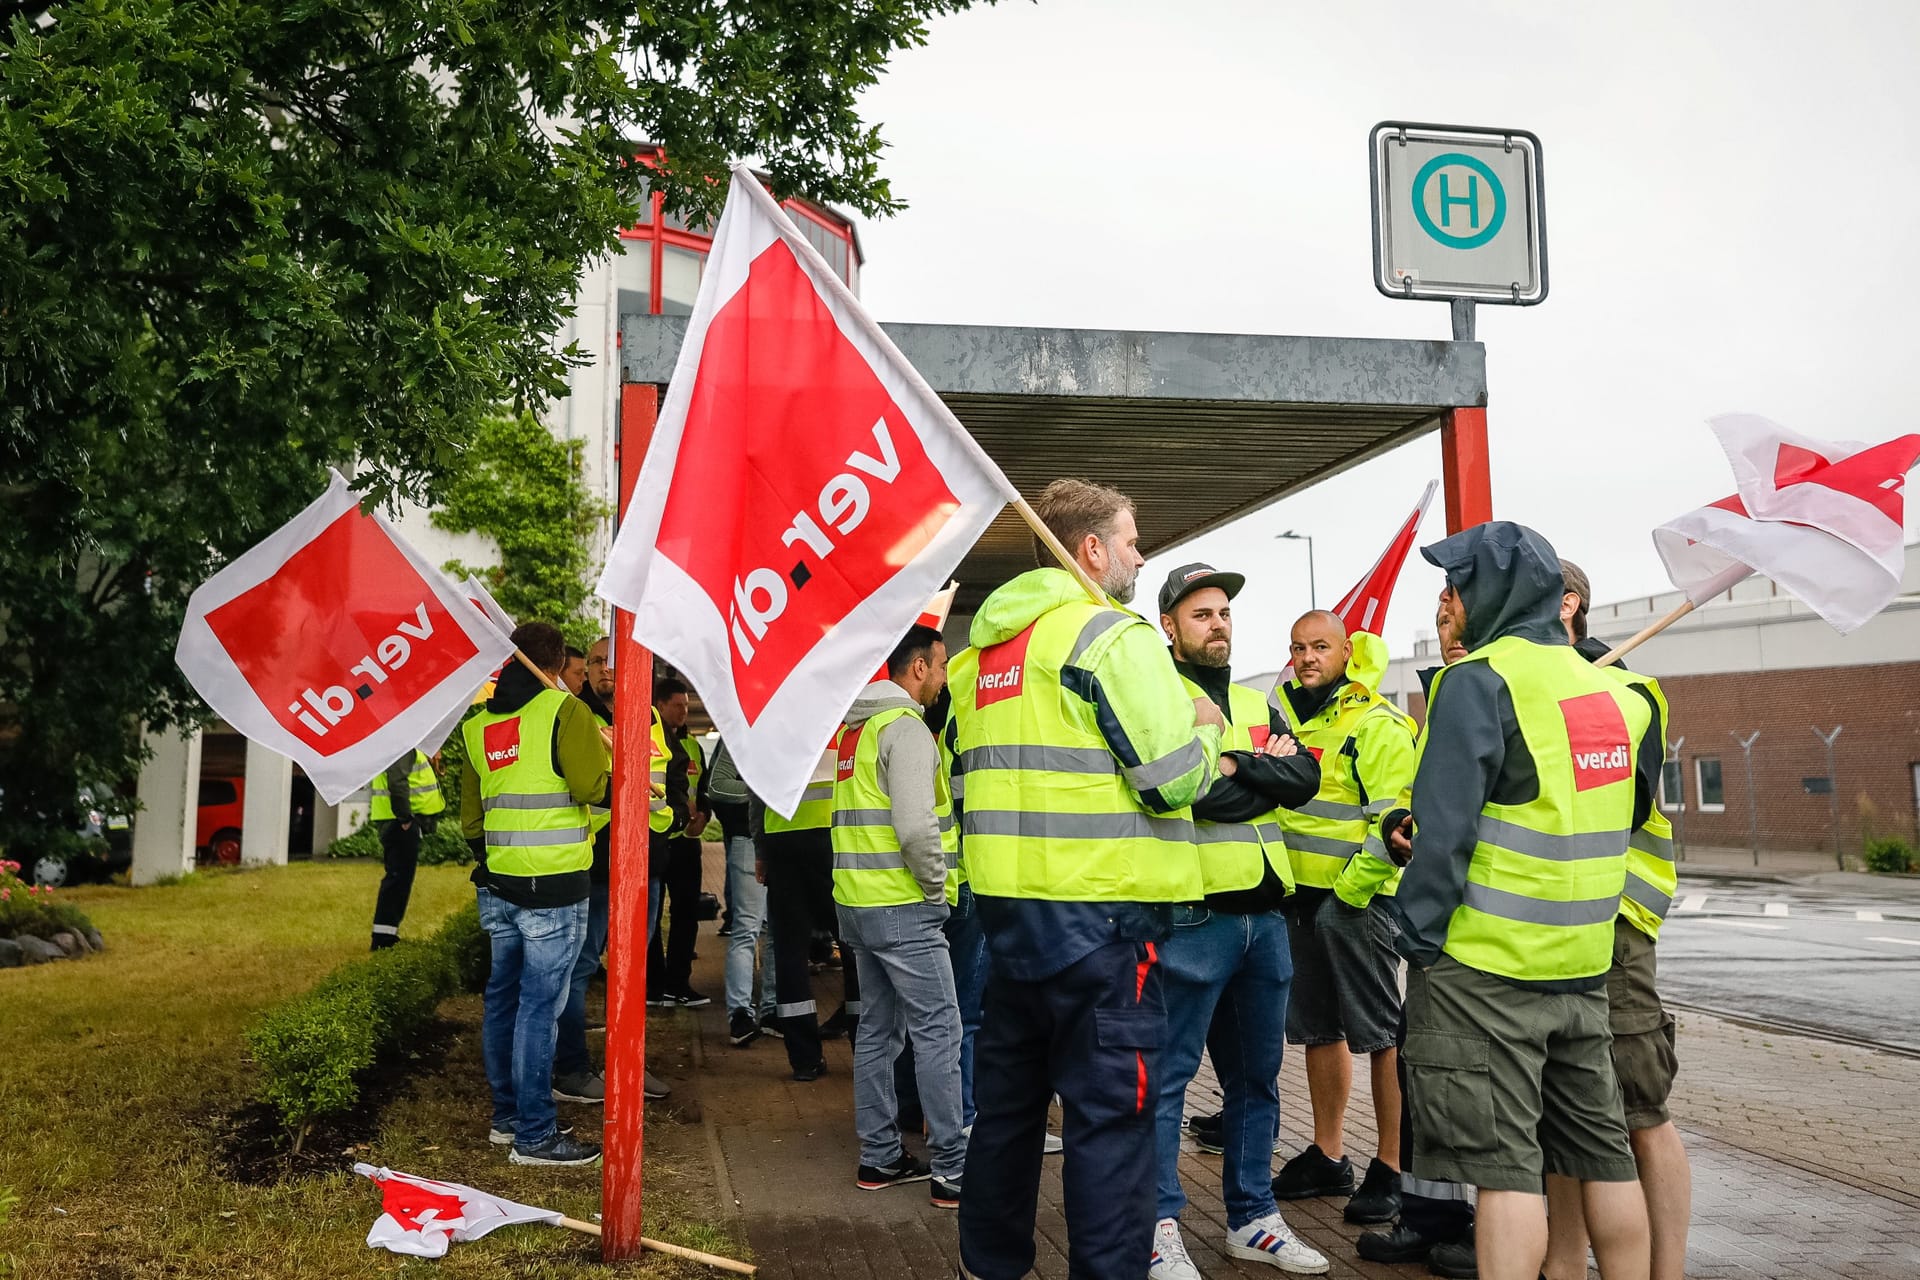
x,y
255,1148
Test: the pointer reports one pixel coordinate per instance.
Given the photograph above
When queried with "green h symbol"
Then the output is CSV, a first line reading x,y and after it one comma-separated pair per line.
x,y
1471,200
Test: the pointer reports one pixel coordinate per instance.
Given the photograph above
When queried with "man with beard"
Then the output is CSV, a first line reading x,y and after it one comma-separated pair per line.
x,y
1226,964
1080,753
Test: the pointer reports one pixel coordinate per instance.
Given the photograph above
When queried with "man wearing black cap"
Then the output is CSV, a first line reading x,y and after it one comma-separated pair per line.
x,y
1227,965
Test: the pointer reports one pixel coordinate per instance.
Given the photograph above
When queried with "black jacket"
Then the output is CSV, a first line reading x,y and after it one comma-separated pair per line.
x,y
1259,784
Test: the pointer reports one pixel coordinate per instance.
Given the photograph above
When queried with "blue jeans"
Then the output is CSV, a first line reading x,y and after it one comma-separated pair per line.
x,y
1226,979
570,1057
906,988
967,944
534,950
747,940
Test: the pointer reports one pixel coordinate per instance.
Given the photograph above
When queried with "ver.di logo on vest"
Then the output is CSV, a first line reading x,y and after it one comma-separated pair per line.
x,y
501,742
1597,738
1003,670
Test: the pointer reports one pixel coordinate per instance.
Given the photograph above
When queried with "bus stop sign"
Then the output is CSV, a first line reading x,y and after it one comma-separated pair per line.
x,y
1458,212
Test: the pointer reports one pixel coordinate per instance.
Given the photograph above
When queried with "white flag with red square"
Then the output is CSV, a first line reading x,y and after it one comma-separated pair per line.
x,y
805,493
335,643
1823,518
422,1216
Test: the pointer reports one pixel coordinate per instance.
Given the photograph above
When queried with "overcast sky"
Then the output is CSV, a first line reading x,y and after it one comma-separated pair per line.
x,y
1729,189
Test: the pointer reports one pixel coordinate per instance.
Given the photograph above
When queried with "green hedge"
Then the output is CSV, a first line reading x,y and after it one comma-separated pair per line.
x,y
1889,854
312,1049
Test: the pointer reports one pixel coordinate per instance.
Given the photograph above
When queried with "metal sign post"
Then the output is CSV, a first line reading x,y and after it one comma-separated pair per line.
x,y
1753,803
1833,791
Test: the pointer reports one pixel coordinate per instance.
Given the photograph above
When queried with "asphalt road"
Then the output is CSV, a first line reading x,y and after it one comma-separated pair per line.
x,y
1844,960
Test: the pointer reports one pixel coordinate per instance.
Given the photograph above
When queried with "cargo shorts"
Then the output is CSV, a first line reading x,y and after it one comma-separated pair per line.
x,y
1346,977
1505,1084
1643,1048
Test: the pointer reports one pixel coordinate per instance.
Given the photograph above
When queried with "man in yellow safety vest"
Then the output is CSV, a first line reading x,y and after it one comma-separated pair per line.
x,y
893,878
1643,1032
1535,770
1346,975
535,763
1081,752
406,805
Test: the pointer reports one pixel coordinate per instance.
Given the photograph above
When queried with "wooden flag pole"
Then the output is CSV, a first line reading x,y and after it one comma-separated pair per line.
x,y
1059,550
1645,634
1729,578
672,1250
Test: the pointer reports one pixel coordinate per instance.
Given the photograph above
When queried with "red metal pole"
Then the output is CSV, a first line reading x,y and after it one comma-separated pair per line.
x,y
627,909
1463,468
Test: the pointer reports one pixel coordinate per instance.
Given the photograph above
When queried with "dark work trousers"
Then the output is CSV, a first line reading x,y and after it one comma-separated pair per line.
x,y
1092,1034
674,961
1436,1211
400,854
799,901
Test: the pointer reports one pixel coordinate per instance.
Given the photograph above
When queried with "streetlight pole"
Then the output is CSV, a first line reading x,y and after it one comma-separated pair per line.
x,y
1833,790
1313,593
1753,803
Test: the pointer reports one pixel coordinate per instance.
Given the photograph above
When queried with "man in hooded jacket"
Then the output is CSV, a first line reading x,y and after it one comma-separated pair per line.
x,y
1535,770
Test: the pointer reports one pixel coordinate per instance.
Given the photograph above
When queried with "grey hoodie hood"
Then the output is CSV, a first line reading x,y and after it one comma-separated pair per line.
x,y
1508,576
877,697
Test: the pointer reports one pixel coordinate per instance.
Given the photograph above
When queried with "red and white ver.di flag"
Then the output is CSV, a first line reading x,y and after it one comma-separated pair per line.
x,y
337,644
1823,518
804,495
422,1216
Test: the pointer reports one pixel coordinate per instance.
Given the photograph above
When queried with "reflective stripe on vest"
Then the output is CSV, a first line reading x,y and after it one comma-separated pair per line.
x,y
1235,855
1545,879
815,811
659,812
423,791
533,825
1651,876
1048,812
869,869
1327,831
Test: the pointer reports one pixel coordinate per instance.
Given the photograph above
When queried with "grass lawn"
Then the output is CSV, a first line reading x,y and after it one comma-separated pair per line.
x,y
117,1070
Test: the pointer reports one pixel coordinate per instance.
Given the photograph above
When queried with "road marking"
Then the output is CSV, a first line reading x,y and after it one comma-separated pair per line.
x,y
1905,942
1776,908
1868,917
1693,902
1732,923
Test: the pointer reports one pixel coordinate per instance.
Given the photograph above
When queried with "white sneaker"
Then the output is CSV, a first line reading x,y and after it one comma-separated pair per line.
x,y
1170,1260
1053,1146
1269,1240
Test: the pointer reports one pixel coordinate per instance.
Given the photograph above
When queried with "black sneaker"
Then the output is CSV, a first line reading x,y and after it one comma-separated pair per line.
x,y
1209,1133
807,1075
771,1027
659,1000
588,1087
1456,1261
1401,1244
688,998
1311,1174
742,1029
904,1170
946,1193
560,1149
1378,1199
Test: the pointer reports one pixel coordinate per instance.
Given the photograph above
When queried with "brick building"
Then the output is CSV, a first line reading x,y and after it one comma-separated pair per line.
x,y
1757,661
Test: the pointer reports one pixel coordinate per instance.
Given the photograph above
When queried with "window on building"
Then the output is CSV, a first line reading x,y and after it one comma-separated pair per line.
x,y
680,271
1673,786
1706,780
633,273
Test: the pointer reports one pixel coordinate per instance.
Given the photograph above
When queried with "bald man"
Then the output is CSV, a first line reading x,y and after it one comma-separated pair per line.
x,y
1346,994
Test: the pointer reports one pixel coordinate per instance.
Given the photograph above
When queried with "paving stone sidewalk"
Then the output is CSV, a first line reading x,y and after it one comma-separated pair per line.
x,y
1806,1162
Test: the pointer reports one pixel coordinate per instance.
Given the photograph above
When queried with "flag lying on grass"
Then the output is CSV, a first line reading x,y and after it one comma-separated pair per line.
x,y
804,494
335,643
1823,518
423,1216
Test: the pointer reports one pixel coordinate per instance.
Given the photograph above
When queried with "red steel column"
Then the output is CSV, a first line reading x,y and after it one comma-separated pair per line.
x,y
627,908
1463,468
